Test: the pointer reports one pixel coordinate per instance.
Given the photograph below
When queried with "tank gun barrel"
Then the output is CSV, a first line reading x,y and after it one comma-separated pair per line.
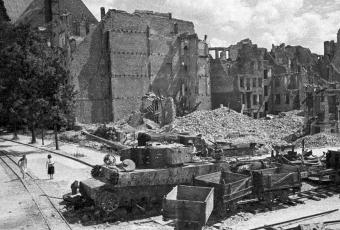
x,y
115,144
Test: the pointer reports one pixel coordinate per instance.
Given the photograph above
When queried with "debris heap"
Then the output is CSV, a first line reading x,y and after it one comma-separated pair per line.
x,y
320,140
229,125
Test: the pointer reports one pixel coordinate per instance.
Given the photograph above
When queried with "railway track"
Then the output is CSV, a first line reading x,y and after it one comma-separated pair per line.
x,y
47,150
52,217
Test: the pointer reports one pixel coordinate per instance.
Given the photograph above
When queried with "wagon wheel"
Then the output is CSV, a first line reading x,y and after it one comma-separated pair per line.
x,y
283,196
108,201
221,209
268,199
232,206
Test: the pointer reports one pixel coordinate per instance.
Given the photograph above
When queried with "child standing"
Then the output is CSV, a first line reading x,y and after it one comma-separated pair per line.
x,y
23,165
50,166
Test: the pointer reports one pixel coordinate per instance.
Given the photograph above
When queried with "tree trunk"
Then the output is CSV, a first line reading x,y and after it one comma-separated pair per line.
x,y
34,140
42,136
15,132
56,137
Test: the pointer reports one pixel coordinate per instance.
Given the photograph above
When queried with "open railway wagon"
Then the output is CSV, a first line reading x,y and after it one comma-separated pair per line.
x,y
118,192
190,206
276,183
229,189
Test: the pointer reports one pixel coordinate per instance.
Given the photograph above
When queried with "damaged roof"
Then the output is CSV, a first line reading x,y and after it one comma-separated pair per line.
x,y
32,11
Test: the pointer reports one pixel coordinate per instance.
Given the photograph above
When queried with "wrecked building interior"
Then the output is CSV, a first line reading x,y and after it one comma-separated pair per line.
x,y
186,130
245,66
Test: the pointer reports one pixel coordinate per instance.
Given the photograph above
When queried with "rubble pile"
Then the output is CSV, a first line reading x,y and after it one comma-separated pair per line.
x,y
319,140
71,136
229,125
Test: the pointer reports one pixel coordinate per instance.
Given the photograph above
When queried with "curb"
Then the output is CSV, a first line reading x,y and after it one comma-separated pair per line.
x,y
51,151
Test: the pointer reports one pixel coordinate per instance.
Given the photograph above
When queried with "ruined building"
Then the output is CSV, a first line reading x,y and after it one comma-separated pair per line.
x,y
322,106
128,55
322,111
66,22
114,63
240,78
3,12
329,63
292,70
256,82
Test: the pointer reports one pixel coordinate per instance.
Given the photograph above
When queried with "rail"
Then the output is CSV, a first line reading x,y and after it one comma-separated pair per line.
x,y
30,186
47,150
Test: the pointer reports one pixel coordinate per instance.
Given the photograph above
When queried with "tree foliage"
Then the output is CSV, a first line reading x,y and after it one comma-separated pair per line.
x,y
34,81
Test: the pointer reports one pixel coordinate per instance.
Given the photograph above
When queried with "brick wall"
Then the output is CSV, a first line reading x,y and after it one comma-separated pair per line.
x,y
91,80
204,87
128,56
145,54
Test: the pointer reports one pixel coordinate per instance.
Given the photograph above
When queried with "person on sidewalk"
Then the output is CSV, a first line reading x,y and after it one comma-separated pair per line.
x,y
23,165
50,166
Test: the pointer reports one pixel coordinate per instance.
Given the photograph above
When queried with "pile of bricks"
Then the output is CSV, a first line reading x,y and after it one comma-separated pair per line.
x,y
220,123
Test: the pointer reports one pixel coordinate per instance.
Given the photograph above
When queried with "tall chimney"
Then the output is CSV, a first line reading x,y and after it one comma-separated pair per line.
x,y
205,37
102,12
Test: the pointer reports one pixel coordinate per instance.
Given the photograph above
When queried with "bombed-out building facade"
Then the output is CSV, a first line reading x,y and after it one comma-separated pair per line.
x,y
256,82
128,55
322,104
240,77
116,62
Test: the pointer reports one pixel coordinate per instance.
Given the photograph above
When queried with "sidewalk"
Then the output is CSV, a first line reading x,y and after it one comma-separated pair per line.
x,y
90,157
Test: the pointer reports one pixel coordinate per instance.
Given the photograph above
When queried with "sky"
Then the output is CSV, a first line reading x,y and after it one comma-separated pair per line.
x,y
294,22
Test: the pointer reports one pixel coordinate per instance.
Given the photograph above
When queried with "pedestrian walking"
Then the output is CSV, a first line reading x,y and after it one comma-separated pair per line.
x,y
50,166
23,165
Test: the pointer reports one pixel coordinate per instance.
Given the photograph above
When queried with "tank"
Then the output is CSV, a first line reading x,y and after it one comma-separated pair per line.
x,y
118,192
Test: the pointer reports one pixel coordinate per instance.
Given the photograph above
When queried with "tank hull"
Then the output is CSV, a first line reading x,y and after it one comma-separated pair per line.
x,y
144,188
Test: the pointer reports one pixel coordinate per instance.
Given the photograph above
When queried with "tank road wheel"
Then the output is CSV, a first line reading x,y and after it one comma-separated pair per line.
x,y
96,171
107,201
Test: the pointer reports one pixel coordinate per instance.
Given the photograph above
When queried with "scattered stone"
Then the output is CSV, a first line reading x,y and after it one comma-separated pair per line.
x,y
150,124
135,119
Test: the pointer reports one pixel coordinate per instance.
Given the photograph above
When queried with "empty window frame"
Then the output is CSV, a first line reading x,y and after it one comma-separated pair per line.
x,y
241,82
278,99
254,82
254,99
287,99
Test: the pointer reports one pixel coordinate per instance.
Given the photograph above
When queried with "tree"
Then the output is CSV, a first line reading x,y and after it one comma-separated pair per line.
x,y
59,93
35,80
10,86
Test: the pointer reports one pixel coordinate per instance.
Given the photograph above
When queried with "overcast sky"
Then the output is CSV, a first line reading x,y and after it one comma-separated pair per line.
x,y
265,22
